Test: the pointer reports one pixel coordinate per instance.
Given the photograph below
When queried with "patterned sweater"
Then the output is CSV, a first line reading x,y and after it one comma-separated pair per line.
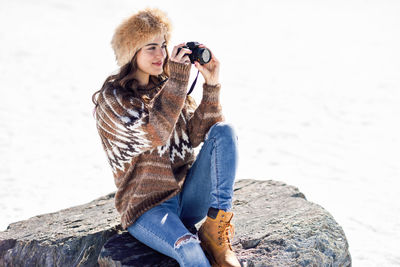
x,y
150,146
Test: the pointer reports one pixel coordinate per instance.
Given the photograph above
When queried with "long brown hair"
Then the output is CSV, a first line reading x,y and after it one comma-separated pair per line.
x,y
124,78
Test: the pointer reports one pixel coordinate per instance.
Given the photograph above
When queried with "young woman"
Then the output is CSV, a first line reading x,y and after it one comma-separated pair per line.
x,y
148,127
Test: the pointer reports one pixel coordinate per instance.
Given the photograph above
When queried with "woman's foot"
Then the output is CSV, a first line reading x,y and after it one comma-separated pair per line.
x,y
215,235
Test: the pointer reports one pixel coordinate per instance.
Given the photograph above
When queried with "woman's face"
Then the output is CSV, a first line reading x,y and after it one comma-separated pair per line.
x,y
150,58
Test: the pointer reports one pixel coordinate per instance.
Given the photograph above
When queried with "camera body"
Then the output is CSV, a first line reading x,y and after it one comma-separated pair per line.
x,y
199,54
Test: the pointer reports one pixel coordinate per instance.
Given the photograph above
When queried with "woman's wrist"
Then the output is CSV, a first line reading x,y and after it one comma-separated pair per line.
x,y
179,71
211,83
211,88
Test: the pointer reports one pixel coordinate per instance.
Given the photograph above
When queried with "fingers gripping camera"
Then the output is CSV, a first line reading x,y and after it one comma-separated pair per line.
x,y
199,54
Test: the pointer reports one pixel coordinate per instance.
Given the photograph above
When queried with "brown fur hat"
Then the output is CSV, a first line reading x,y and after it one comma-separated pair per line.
x,y
138,30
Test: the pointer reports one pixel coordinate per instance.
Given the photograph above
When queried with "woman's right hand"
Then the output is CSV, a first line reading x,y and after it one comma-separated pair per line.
x,y
180,57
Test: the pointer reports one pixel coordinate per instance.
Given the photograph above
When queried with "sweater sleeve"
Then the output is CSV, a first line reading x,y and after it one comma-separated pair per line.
x,y
206,114
128,128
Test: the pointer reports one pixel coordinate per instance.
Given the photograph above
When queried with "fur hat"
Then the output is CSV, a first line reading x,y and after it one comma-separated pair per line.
x,y
138,30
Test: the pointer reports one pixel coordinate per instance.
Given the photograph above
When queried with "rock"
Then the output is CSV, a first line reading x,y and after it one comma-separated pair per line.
x,y
70,237
275,226
124,250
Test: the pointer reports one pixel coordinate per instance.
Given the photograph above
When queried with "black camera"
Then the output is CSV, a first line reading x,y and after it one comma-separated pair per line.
x,y
199,54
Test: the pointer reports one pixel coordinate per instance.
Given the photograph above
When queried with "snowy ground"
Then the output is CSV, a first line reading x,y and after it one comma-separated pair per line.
x,y
311,86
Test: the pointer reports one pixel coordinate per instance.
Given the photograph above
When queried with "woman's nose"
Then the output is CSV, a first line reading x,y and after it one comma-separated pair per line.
x,y
161,52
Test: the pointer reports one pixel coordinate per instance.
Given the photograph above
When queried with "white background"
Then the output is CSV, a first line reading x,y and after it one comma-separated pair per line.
x,y
311,86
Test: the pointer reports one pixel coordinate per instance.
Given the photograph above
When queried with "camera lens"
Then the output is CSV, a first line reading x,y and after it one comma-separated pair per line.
x,y
206,56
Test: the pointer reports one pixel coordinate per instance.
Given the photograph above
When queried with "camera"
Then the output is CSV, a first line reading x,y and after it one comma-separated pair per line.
x,y
199,54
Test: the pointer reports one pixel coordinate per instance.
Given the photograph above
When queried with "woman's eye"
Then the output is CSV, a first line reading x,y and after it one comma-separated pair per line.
x,y
163,46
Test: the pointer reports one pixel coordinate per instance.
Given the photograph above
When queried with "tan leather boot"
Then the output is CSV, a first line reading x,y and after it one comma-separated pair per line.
x,y
215,236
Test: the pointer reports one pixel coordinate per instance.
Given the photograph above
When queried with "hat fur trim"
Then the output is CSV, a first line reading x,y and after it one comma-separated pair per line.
x,y
138,30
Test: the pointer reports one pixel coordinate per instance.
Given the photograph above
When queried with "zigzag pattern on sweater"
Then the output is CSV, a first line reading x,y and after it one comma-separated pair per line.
x,y
178,147
126,136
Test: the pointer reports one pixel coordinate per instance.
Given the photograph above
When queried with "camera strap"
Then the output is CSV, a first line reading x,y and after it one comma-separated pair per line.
x,y
194,83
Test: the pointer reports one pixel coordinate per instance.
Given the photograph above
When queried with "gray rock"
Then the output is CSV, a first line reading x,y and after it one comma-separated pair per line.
x,y
70,237
275,226
124,250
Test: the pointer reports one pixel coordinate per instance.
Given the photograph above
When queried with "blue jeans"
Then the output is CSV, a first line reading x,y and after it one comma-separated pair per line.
x,y
209,183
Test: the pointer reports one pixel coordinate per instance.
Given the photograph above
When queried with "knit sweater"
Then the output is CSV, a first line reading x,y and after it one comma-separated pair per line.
x,y
150,145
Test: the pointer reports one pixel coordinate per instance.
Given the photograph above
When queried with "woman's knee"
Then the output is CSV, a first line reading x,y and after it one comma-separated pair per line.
x,y
189,250
222,129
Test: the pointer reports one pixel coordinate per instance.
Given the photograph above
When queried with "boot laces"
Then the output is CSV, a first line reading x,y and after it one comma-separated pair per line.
x,y
226,233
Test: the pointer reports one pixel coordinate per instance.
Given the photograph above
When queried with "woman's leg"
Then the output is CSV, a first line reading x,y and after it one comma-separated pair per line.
x,y
210,180
161,229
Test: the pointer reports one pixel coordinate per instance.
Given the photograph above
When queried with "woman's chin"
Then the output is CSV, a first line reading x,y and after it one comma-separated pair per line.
x,y
157,72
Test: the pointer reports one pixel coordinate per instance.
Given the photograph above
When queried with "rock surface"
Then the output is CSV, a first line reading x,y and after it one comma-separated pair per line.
x,y
275,226
70,237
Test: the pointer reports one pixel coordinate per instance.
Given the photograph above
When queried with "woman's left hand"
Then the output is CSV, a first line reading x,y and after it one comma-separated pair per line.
x,y
210,71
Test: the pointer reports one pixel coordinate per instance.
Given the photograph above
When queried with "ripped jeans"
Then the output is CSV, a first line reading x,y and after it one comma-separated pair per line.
x,y
209,183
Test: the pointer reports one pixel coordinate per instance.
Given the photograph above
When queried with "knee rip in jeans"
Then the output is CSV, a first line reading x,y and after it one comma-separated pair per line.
x,y
185,239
